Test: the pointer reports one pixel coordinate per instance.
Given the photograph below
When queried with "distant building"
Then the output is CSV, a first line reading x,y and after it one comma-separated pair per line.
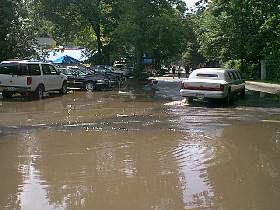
x,y
46,42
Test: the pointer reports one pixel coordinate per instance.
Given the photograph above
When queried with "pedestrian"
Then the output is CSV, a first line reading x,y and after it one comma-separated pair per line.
x,y
173,71
179,72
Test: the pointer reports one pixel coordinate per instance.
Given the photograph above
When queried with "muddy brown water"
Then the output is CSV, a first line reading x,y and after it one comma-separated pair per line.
x,y
128,151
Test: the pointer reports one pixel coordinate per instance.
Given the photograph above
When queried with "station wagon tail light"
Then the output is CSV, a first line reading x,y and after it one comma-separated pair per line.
x,y
29,80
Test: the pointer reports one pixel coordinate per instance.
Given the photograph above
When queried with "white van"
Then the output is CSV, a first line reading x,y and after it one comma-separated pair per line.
x,y
30,78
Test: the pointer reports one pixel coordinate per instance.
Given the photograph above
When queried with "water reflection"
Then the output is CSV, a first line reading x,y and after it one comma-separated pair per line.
x,y
88,151
252,169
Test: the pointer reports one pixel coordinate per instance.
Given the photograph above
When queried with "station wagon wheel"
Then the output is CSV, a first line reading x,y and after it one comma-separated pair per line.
x,y
89,86
228,97
39,93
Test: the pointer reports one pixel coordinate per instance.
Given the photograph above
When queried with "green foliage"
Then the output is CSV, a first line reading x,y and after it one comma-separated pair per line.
x,y
153,28
239,30
16,30
84,22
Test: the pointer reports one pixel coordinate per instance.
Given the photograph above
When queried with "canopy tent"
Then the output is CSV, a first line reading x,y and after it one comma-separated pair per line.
x,y
66,60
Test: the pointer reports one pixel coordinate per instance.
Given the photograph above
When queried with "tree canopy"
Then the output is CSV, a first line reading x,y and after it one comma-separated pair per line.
x,y
231,32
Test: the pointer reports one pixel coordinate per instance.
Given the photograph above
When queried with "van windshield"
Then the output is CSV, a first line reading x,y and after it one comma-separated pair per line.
x,y
13,69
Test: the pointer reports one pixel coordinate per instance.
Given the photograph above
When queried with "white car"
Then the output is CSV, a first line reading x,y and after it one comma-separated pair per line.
x,y
217,83
30,79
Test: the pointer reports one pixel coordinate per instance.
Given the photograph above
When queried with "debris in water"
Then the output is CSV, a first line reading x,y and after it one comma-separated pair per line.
x,y
177,103
122,115
271,121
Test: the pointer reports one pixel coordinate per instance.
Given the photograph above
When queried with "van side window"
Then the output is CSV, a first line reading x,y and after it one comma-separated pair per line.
x,y
232,75
239,75
229,75
235,75
34,69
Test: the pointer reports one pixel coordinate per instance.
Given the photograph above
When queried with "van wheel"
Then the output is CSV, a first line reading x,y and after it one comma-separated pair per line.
x,y
39,92
89,86
242,93
228,98
6,94
63,89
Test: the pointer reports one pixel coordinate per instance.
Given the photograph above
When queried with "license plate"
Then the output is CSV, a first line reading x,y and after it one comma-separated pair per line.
x,y
11,89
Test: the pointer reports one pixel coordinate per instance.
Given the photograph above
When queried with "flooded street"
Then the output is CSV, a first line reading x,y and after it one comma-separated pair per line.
x,y
139,149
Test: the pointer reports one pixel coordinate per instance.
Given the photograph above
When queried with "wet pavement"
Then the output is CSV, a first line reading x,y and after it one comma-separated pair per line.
x,y
139,149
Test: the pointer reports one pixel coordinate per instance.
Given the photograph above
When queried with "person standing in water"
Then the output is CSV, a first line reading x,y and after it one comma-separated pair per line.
x,y
173,71
179,72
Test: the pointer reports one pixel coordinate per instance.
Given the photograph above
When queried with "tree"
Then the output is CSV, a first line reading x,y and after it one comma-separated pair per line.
x,y
238,30
88,22
151,27
16,30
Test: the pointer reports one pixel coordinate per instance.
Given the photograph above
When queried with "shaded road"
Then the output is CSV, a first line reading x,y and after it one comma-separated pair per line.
x,y
139,149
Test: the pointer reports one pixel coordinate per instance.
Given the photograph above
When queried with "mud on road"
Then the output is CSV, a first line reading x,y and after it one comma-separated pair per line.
x,y
139,149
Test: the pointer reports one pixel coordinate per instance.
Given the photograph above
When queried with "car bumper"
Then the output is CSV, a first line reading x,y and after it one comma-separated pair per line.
x,y
72,84
202,94
14,89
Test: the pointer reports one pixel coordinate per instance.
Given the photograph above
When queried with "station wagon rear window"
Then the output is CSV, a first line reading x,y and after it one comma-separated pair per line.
x,y
207,75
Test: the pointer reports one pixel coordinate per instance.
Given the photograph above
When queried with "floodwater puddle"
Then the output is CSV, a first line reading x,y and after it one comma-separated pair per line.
x,y
110,150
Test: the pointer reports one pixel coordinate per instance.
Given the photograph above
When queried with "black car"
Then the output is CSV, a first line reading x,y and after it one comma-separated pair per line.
x,y
85,79
110,72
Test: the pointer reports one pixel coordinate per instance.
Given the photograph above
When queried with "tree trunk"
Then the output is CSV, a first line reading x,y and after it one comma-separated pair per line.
x,y
97,31
263,70
139,67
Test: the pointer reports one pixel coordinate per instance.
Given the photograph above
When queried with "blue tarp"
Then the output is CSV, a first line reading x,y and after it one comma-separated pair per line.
x,y
65,60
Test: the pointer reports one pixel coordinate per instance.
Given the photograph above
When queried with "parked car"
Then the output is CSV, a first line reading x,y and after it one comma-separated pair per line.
x,y
217,83
126,71
85,79
108,69
30,78
116,77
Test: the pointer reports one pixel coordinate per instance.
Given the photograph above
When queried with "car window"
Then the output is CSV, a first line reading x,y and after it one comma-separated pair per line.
x,y
46,69
13,69
52,70
34,69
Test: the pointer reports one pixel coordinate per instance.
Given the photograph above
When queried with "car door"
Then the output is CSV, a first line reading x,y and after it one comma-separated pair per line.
x,y
56,78
240,82
235,84
47,78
